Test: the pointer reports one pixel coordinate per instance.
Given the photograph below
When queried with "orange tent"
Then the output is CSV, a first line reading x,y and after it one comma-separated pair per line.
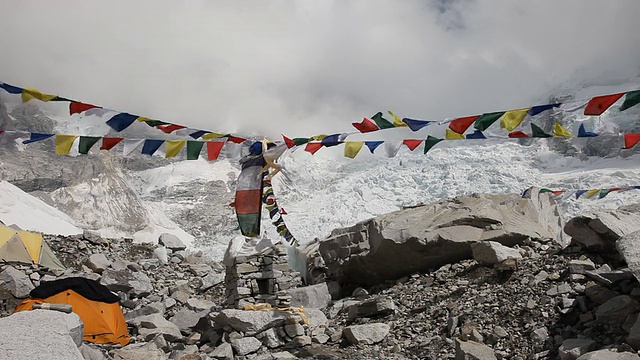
x,y
104,322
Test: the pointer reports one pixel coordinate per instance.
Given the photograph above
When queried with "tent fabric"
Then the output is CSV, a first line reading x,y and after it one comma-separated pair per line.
x,y
104,323
88,288
26,247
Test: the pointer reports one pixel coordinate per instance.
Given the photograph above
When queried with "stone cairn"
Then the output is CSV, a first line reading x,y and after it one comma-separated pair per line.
x,y
261,278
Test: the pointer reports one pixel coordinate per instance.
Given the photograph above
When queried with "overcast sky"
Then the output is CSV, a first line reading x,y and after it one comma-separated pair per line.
x,y
308,67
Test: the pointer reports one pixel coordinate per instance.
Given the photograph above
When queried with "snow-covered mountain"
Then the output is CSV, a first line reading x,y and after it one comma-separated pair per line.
x,y
141,196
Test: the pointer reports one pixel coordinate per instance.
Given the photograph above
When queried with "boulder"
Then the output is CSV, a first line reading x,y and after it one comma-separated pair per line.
x,y
316,318
171,242
491,252
149,326
246,345
224,351
210,280
161,254
628,246
270,338
147,351
471,350
427,237
608,355
615,311
378,305
97,262
136,283
366,334
601,230
41,334
283,355
91,352
251,322
200,304
571,349
14,282
200,269
313,296
634,335
186,319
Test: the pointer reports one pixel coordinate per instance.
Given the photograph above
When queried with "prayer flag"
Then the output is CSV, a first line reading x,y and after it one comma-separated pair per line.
x,y
248,200
537,132
31,93
312,147
213,149
603,193
452,135
580,192
129,145
151,146
630,140
372,145
416,125
331,140
583,133
86,142
78,107
559,131
11,89
174,147
168,129
486,120
430,142
592,192
391,147
193,149
412,144
365,126
352,148
600,104
517,134
476,135
535,110
37,137
64,143
460,125
210,135
197,134
396,120
513,118
109,142
121,121
632,99
236,140
381,122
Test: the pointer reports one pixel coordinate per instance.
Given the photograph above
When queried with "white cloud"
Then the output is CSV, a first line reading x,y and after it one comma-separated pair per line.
x,y
307,67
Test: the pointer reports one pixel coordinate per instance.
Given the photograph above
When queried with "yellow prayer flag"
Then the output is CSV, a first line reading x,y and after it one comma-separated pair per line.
x,y
558,130
31,93
64,143
452,135
319,137
174,147
396,120
592,192
209,136
142,118
352,148
513,118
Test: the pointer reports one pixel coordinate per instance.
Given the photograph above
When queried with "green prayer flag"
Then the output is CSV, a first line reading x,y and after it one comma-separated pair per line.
x,y
154,123
632,99
382,122
193,149
86,142
301,141
603,193
430,142
486,120
537,132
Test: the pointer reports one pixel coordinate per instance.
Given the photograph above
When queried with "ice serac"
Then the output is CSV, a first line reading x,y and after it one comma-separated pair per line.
x,y
429,236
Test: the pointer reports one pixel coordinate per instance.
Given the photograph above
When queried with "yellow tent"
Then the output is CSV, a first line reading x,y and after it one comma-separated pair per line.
x,y
26,247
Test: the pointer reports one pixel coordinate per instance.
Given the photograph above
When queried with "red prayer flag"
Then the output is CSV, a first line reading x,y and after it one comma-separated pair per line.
x,y
366,126
460,125
109,142
168,129
290,143
236,140
517,134
283,211
213,149
630,140
600,104
312,147
412,144
78,107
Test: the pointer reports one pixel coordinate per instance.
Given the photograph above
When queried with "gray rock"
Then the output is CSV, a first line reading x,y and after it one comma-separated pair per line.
x,y
200,304
500,332
366,334
250,322
92,236
15,282
294,330
615,311
186,319
599,294
245,345
200,269
600,230
608,355
171,242
161,254
147,351
634,335
149,326
427,237
224,351
379,305
490,252
40,334
471,350
89,352
137,283
316,318
145,310
313,296
283,355
97,262
628,247
581,266
212,279
270,338
302,340
571,349
540,335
